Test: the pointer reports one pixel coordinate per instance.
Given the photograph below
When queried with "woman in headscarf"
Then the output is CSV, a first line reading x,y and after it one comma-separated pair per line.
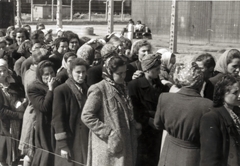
x,y
40,94
70,133
12,106
220,128
62,73
228,63
180,114
109,116
168,60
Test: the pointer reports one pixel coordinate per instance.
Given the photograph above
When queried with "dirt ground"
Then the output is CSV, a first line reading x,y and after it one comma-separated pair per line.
x,y
186,51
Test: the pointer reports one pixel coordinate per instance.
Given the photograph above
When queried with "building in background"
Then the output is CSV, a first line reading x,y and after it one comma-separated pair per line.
x,y
204,21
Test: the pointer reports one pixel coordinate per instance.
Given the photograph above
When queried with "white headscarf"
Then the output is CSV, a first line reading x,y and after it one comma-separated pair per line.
x,y
221,65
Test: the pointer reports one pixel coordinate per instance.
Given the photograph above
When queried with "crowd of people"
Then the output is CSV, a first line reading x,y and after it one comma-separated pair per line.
x,y
70,100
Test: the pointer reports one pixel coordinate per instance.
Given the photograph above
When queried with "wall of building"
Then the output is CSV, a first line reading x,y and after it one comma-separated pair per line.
x,y
207,21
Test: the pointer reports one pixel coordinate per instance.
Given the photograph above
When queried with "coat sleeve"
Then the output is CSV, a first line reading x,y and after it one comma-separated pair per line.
x,y
158,122
40,100
211,140
91,111
60,116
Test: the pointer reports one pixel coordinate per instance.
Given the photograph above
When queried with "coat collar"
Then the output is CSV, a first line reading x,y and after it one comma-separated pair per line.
x,y
189,92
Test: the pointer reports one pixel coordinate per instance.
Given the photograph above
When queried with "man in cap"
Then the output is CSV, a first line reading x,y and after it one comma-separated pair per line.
x,y
144,92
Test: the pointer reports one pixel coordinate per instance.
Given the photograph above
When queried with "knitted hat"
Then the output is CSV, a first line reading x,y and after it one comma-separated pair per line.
x,y
150,61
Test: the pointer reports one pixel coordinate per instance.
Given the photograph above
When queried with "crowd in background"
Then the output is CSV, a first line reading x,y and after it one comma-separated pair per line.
x,y
71,100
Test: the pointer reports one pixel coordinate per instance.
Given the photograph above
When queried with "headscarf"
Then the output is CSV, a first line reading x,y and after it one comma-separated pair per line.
x,y
221,65
150,61
85,51
4,63
188,76
166,57
64,62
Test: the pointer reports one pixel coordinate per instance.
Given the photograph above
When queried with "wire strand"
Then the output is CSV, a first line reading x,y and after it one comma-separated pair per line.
x,y
48,152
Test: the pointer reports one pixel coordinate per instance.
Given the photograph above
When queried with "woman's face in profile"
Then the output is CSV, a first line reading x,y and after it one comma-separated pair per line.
x,y
231,97
233,66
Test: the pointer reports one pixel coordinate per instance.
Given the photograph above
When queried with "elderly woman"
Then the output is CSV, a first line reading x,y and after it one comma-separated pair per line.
x,y
181,119
70,133
109,116
40,94
168,61
228,62
12,107
220,128
62,74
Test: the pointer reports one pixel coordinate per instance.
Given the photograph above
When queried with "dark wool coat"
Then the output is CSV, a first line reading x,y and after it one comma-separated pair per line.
x,y
41,99
56,59
69,131
105,111
145,99
210,85
62,76
215,129
180,114
10,123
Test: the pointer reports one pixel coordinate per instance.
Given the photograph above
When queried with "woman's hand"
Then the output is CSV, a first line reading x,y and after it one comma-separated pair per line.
x,y
52,83
66,154
137,74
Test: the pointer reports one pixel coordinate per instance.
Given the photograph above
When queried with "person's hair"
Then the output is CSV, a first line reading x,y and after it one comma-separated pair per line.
x,y
77,62
36,34
127,42
40,25
114,63
207,59
24,31
68,55
26,25
115,41
36,59
139,22
222,87
233,53
41,66
9,40
9,29
57,41
137,45
74,36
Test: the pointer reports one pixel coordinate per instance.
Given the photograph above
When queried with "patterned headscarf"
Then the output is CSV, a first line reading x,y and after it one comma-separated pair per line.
x,y
188,76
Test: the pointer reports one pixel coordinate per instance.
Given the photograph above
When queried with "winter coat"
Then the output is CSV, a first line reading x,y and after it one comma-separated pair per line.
x,y
106,111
